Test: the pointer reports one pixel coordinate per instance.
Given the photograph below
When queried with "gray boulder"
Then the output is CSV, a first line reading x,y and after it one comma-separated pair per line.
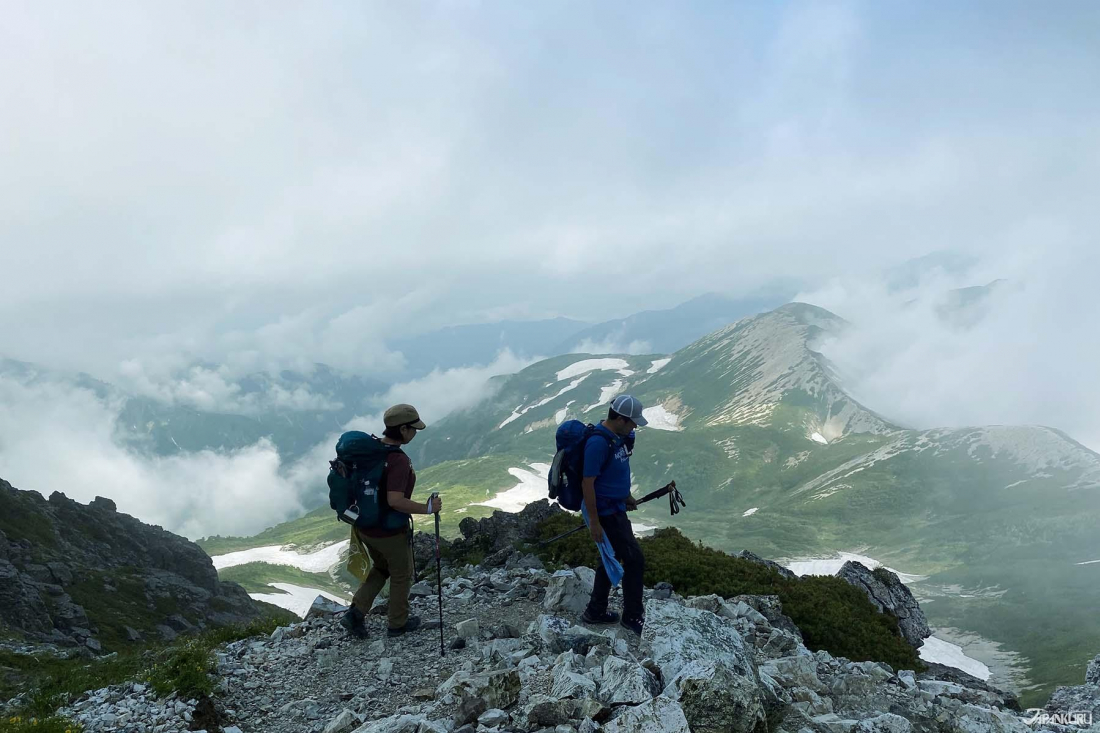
x,y
503,530
559,635
393,724
627,683
498,689
771,608
718,698
752,557
705,665
569,591
1080,699
659,715
888,593
322,607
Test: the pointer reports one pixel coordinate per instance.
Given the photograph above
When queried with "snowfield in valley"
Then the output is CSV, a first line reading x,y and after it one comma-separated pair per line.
x,y
531,487
295,598
314,562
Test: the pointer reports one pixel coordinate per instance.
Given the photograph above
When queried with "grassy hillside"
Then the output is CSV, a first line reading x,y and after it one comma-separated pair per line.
x,y
773,456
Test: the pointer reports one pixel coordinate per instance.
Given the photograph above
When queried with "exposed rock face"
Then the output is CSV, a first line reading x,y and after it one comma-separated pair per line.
x,y
498,535
702,665
1081,699
888,593
705,665
752,557
569,591
75,574
1092,675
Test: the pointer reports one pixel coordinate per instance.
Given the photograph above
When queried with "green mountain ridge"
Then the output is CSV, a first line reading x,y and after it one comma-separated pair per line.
x,y
775,457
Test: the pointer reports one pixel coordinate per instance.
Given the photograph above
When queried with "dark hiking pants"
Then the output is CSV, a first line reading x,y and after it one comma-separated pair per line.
x,y
621,535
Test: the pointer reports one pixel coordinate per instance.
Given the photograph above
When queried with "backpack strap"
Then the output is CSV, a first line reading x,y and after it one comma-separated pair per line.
x,y
611,442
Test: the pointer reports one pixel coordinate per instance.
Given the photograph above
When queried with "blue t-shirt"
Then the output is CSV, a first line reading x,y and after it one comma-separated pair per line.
x,y
612,484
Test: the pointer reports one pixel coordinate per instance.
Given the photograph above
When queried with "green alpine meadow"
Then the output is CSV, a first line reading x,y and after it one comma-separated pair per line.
x,y
995,523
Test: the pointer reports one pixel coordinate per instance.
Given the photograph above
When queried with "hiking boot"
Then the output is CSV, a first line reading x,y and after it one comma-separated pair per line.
x,y
411,625
634,624
352,620
599,619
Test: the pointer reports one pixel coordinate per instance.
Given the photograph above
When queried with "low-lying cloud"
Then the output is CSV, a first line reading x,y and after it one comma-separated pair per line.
x,y
214,389
613,345
1022,354
55,437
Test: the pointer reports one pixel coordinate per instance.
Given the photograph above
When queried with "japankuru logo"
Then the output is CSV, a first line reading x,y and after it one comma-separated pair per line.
x,y
1041,717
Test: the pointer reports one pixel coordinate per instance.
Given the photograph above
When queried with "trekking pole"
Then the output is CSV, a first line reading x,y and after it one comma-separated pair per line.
x,y
438,575
675,501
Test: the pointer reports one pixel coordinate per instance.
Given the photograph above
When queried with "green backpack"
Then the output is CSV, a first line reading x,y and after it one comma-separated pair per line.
x,y
355,490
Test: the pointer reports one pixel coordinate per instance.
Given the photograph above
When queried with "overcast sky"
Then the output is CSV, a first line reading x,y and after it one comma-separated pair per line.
x,y
273,184
272,177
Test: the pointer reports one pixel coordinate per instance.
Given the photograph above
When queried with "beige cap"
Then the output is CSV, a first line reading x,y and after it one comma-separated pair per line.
x,y
403,415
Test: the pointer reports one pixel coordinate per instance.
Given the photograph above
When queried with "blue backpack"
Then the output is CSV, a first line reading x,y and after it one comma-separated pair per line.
x,y
355,490
567,468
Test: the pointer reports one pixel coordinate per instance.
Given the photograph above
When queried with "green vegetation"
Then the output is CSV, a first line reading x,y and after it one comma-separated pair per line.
x,y
116,599
20,519
970,508
256,577
832,614
460,483
320,526
48,724
52,682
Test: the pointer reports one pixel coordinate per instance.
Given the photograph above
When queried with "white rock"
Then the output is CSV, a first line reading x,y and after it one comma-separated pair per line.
x,y
323,607
796,671
570,684
393,724
706,666
569,591
885,723
468,629
627,683
659,715
492,718
343,722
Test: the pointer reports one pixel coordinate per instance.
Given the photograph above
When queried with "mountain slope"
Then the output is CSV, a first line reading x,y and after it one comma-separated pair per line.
x,y
76,574
774,457
763,370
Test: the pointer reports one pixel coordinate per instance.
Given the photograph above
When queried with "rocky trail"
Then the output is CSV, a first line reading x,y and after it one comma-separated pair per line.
x,y
517,660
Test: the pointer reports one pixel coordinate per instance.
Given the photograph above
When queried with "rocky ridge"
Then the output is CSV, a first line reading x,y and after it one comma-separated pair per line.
x,y
76,575
516,659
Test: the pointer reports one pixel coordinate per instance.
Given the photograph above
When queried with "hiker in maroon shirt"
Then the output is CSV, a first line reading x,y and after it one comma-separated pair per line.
x,y
390,550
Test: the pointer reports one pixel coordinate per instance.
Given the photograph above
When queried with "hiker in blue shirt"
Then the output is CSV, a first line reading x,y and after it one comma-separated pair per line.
x,y
607,499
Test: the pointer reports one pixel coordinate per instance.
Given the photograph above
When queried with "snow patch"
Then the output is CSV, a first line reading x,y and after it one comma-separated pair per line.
x,y
607,394
657,364
750,512
831,565
819,438
314,562
661,419
944,652
517,413
639,528
531,487
591,365
514,416
295,598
